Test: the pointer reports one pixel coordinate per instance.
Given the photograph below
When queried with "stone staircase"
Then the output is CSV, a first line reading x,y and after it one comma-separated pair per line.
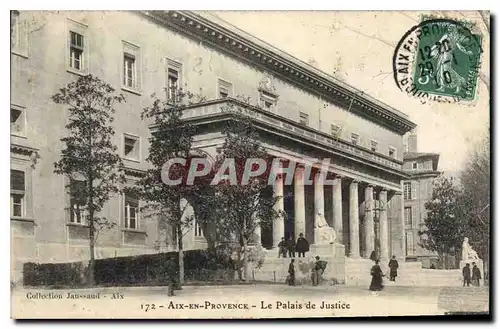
x,y
409,274
352,271
275,269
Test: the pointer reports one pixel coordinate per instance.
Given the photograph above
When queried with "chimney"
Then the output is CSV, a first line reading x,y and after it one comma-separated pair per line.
x,y
412,142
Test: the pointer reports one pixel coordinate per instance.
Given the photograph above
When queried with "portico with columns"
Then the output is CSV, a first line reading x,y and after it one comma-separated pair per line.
x,y
357,211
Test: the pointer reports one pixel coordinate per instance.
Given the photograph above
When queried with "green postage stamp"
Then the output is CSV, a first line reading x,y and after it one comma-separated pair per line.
x,y
442,59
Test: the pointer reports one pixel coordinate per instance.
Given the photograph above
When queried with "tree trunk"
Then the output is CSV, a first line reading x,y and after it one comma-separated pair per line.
x,y
181,254
240,274
91,276
245,260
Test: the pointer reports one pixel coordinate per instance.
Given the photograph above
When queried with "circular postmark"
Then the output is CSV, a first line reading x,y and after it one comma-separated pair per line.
x,y
438,60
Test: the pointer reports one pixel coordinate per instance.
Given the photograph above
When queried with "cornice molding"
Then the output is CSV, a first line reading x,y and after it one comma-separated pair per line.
x,y
275,124
22,150
131,172
287,67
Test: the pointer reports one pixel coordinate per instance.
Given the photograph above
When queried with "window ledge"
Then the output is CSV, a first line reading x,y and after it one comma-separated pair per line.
x,y
132,90
74,71
20,53
23,219
131,230
77,225
23,136
132,160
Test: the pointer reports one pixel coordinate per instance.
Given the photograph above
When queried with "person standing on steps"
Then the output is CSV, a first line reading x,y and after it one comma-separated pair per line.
x,y
302,246
282,248
466,274
393,265
476,275
291,273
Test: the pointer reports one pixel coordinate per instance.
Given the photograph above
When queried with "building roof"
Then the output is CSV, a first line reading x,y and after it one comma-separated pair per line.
x,y
407,156
419,155
222,35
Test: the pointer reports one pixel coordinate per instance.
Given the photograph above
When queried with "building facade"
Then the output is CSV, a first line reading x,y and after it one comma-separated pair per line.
x,y
417,191
301,113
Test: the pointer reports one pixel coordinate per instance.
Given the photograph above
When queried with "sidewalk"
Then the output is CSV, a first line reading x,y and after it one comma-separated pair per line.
x,y
390,301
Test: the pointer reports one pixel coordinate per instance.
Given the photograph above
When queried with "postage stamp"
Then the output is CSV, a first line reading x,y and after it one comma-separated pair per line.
x,y
439,59
176,164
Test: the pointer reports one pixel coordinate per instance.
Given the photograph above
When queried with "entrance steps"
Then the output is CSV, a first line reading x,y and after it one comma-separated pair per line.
x,y
409,274
275,269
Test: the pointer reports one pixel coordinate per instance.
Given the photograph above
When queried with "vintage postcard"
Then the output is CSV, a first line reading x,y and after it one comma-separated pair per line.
x,y
264,164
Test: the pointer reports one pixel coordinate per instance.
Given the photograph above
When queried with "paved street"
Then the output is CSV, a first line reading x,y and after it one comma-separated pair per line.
x,y
261,300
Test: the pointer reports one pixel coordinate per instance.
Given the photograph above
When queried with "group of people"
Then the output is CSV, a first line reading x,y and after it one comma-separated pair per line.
x,y
476,275
377,273
291,247
300,247
317,270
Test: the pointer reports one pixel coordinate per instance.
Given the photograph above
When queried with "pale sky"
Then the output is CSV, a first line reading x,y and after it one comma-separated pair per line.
x,y
359,46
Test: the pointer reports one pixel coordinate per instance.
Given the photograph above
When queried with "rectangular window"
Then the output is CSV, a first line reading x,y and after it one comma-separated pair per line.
x,y
17,193
18,34
374,146
409,244
303,119
76,49
77,201
173,80
173,84
414,166
267,100
18,121
131,147
408,216
335,130
407,190
131,211
129,71
392,152
225,89
14,29
198,232
354,138
414,190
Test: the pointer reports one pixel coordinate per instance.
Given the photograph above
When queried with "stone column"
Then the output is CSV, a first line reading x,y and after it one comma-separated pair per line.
x,y
353,220
278,223
337,208
319,201
299,202
384,226
369,225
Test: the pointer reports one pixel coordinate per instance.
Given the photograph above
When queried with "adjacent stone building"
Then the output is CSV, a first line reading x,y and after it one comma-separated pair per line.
x,y
300,111
423,169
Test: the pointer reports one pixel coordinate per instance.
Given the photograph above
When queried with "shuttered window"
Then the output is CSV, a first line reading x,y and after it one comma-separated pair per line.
x,y
131,211
413,190
410,247
17,193
77,203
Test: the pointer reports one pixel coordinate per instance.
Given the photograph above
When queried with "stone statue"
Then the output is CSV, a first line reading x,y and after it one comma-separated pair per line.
x,y
267,84
323,232
467,251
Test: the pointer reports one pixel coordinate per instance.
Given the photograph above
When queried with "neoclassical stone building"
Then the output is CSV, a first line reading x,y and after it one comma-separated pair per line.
x,y
302,113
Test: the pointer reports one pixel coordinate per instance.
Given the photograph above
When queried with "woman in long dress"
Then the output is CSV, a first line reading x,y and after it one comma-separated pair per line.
x,y
376,273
